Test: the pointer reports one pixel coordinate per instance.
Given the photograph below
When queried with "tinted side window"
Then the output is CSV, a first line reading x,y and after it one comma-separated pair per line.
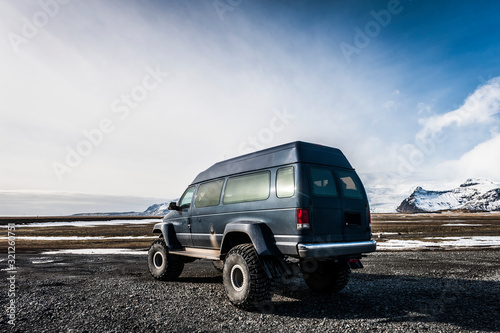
x,y
187,197
350,185
285,182
247,188
322,182
209,194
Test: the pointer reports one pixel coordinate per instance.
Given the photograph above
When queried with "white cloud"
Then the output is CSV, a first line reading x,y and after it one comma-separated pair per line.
x,y
228,78
479,107
483,161
224,88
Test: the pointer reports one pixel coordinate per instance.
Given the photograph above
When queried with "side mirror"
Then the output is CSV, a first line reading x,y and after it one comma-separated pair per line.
x,y
173,206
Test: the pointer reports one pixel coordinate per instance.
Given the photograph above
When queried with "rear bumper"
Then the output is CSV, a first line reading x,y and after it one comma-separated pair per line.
x,y
324,250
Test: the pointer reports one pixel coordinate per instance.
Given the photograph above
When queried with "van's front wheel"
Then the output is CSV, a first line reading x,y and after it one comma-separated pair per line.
x,y
162,265
327,276
245,281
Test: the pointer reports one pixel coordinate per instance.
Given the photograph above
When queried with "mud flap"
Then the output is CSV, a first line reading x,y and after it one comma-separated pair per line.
x,y
275,267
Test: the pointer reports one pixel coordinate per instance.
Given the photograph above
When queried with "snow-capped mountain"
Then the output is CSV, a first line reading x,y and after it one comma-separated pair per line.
x,y
474,194
157,209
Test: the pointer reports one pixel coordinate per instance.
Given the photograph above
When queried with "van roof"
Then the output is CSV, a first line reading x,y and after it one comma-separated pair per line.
x,y
292,152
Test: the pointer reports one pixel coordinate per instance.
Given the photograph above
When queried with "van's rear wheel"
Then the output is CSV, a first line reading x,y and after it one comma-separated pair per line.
x,y
245,281
327,277
162,265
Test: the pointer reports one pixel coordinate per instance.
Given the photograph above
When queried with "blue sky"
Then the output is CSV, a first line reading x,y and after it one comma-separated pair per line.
x,y
115,99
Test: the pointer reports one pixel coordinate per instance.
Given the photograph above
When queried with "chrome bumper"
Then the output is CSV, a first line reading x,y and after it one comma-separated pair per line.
x,y
335,249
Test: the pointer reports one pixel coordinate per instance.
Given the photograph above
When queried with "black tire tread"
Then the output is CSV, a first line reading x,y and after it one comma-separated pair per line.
x,y
261,287
341,278
329,277
174,267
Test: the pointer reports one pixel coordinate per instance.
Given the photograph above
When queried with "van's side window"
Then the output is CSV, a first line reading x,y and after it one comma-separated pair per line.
x,y
323,184
186,198
209,194
350,186
246,188
285,182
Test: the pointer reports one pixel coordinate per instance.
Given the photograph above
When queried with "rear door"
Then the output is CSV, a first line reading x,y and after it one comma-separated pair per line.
x,y
355,211
326,207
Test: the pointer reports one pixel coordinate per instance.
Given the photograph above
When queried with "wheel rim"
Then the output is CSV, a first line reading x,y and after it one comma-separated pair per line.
x,y
158,259
237,277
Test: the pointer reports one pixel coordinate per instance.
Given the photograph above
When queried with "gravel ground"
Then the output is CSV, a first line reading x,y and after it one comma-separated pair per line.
x,y
443,291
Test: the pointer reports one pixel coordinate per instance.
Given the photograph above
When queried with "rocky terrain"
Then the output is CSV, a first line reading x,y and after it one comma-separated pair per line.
x,y
107,286
395,292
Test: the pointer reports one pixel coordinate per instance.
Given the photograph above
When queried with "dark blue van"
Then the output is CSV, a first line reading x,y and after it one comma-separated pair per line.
x,y
258,215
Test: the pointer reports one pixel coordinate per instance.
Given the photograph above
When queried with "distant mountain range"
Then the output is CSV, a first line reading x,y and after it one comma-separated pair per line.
x,y
157,209
160,209
474,195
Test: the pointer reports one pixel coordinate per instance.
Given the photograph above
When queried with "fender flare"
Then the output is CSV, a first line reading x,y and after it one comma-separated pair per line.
x,y
168,232
259,233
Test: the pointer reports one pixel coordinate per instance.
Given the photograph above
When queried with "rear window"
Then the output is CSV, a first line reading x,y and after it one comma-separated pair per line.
x,y
322,182
351,187
247,188
209,194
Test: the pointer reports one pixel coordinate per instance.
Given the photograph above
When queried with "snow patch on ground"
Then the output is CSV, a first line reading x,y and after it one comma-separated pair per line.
x,y
99,251
462,225
42,261
85,223
440,242
78,238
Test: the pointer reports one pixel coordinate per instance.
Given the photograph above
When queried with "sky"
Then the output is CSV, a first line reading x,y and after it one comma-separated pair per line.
x,y
116,105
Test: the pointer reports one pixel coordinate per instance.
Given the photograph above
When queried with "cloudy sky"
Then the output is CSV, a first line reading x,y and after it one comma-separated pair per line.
x,y
115,105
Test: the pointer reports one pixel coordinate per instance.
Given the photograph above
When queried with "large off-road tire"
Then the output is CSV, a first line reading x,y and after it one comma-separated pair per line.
x,y
246,283
326,277
162,265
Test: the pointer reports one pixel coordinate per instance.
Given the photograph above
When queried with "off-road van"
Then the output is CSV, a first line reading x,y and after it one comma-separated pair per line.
x,y
295,208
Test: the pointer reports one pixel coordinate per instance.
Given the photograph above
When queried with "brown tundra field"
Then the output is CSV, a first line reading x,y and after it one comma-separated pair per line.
x,y
393,232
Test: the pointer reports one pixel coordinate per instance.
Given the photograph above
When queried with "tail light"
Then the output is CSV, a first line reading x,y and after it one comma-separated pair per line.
x,y
369,218
302,218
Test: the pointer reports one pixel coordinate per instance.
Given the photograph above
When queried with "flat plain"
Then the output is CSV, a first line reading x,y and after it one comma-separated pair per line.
x,y
411,289
35,234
